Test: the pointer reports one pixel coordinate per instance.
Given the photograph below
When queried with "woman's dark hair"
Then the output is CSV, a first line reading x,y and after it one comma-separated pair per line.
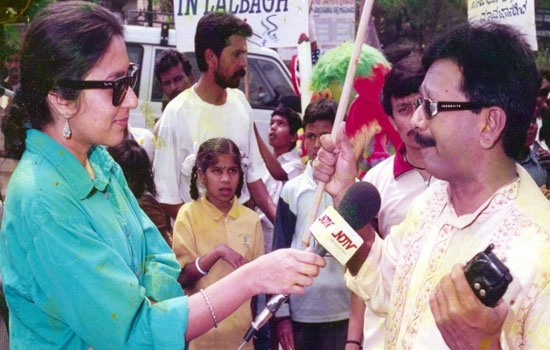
x,y
498,69
64,41
136,166
207,156
213,32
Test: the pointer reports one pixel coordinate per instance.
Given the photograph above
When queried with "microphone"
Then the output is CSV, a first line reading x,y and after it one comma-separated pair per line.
x,y
334,230
6,92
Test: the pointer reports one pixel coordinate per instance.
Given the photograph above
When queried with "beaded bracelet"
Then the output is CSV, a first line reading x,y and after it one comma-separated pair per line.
x,y
201,271
209,307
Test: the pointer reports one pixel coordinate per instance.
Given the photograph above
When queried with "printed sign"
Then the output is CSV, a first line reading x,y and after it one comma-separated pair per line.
x,y
276,23
518,13
334,22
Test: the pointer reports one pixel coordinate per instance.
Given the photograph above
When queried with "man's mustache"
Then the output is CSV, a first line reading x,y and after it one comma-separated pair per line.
x,y
239,74
424,141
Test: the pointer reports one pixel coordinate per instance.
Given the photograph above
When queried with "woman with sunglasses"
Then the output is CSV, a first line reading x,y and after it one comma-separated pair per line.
x,y
82,265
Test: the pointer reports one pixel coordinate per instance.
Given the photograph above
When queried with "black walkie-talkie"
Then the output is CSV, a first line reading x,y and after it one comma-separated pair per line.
x,y
488,276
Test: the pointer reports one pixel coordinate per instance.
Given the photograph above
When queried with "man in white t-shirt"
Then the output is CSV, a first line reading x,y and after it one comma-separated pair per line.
x,y
213,107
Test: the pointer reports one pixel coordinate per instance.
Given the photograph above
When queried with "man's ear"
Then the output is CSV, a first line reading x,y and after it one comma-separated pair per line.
x,y
61,106
294,138
210,57
495,122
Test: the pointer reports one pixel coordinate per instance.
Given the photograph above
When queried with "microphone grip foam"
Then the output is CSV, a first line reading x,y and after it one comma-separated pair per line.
x,y
319,250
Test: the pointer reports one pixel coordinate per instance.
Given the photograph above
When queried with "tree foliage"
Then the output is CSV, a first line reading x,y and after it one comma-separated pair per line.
x,y
11,31
405,25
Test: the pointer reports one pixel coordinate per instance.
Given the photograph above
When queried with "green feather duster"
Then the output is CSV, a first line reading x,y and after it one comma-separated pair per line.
x,y
333,65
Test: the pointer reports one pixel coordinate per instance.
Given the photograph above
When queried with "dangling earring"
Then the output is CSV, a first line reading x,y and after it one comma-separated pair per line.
x,y
202,188
67,129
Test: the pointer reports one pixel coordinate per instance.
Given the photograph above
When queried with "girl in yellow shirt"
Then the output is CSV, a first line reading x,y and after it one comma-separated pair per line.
x,y
215,234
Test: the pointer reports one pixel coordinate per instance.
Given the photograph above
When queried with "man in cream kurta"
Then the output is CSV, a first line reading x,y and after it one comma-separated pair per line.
x,y
478,97
424,248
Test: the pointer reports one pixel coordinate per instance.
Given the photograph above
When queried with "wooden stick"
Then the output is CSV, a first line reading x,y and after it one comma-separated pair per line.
x,y
304,59
342,108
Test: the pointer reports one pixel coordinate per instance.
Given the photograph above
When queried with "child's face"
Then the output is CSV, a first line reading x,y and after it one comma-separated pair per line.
x,y
221,180
312,134
279,133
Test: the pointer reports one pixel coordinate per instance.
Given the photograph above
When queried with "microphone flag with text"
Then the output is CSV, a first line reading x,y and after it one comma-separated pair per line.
x,y
335,232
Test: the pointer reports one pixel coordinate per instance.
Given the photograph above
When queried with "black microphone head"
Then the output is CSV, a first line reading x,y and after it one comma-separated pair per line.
x,y
360,204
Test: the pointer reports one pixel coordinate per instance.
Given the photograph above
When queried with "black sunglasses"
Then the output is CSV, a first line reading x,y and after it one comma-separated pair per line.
x,y
431,108
119,86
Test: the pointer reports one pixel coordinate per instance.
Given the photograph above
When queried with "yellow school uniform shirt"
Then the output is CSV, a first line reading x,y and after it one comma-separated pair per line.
x,y
199,228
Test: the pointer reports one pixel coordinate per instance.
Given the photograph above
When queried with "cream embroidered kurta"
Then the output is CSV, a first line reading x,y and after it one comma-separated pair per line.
x,y
401,272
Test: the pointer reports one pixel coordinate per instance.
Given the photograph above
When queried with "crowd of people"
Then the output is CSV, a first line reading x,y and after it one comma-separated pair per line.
x,y
120,237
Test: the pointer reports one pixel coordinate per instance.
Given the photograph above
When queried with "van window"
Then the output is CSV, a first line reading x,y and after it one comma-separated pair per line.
x,y
267,84
135,54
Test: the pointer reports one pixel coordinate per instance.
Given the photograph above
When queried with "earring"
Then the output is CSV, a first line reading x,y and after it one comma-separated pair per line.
x,y
67,129
202,189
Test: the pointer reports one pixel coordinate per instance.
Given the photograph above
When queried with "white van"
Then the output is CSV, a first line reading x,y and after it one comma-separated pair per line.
x,y
268,77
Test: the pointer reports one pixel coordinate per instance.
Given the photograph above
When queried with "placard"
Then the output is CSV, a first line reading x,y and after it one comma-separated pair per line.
x,y
518,13
276,23
334,22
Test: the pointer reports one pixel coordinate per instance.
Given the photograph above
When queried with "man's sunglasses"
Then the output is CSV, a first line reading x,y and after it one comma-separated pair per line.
x,y
431,108
119,86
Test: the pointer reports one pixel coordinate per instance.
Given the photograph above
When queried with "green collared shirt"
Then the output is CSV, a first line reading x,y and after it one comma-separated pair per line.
x,y
81,262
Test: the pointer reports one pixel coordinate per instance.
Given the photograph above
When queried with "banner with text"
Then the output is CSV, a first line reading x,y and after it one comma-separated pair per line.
x,y
334,22
276,23
518,13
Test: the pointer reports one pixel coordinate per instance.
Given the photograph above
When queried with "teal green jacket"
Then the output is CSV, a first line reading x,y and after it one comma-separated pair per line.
x,y
81,263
